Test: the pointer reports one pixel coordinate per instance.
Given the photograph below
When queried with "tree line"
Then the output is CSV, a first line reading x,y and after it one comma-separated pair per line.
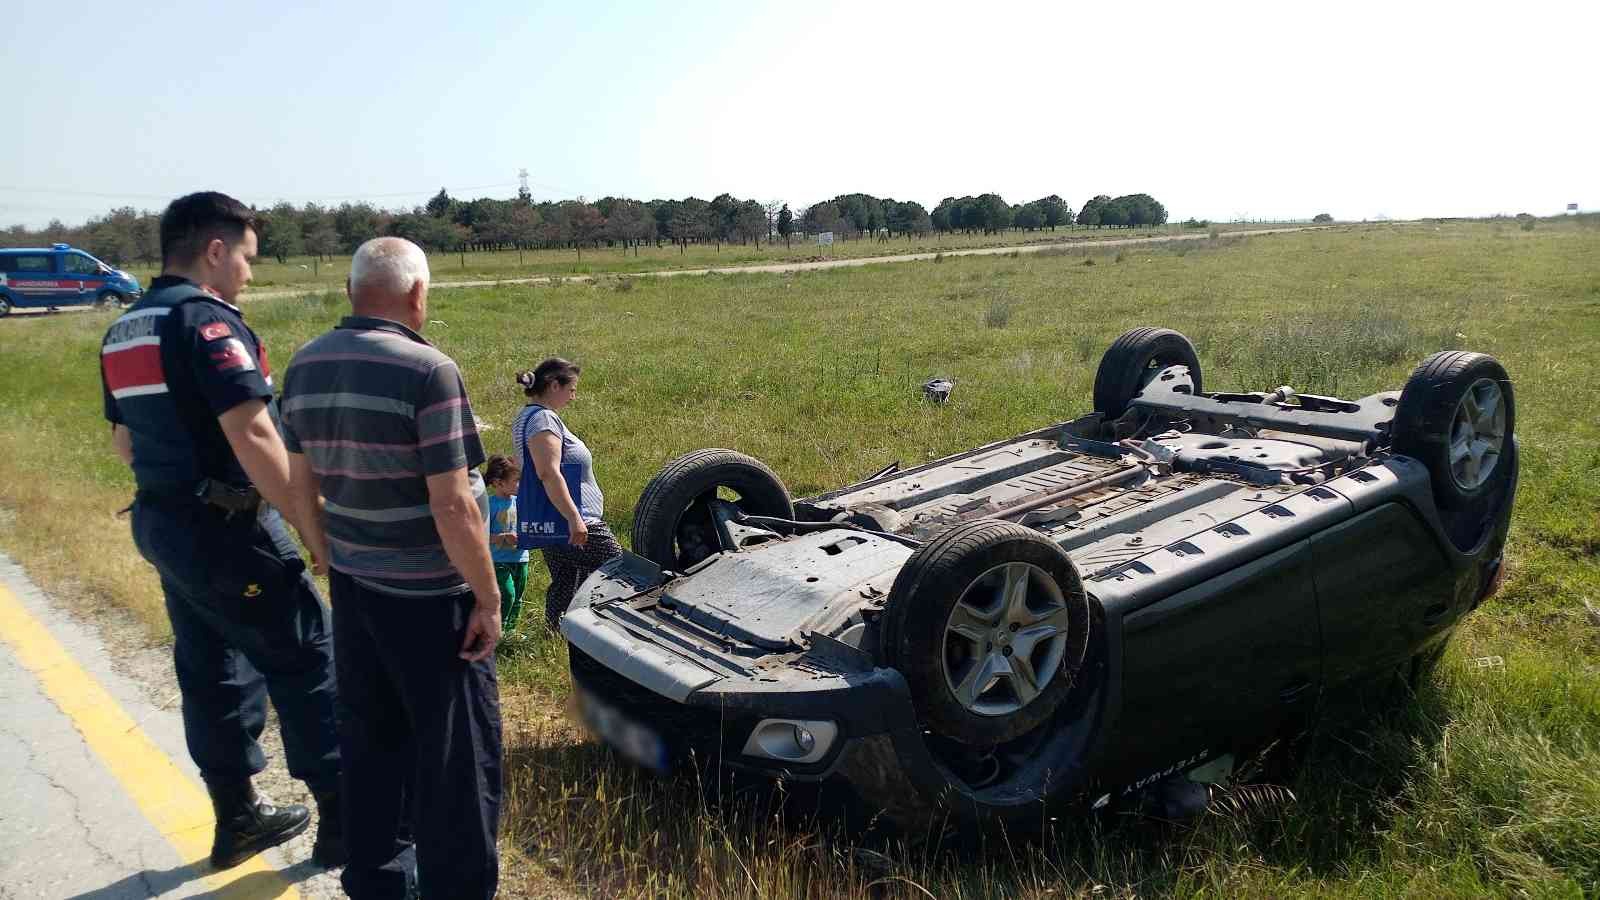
x,y
448,224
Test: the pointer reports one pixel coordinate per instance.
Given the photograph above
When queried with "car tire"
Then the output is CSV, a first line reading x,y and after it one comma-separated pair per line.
x,y
107,298
5,306
956,627
672,527
1132,359
1456,414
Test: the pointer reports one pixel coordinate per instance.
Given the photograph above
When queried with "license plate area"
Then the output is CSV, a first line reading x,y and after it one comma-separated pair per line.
x,y
634,740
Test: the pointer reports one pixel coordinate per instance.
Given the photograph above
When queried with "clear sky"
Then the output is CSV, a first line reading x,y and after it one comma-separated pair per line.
x,y
1220,110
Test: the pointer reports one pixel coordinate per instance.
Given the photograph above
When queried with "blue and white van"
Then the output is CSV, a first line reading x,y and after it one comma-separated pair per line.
x,y
60,276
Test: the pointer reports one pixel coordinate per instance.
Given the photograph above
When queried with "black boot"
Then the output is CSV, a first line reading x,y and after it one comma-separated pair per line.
x,y
246,824
329,851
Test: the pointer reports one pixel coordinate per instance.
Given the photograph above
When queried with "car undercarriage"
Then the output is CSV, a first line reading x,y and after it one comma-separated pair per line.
x,y
1147,591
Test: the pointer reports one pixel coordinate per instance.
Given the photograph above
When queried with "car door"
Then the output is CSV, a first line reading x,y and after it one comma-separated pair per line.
x,y
1222,664
32,277
82,270
1384,588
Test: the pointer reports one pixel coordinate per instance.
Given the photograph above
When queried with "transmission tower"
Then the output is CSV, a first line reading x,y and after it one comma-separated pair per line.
x,y
523,192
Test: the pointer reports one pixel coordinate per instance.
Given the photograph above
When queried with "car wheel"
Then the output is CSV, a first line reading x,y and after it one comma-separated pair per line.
x,y
5,306
673,523
1133,359
989,624
107,298
1456,416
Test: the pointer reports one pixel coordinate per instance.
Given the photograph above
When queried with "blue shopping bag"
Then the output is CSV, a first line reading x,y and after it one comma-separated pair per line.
x,y
539,522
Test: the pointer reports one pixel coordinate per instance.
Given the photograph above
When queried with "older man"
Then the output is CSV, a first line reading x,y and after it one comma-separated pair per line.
x,y
377,421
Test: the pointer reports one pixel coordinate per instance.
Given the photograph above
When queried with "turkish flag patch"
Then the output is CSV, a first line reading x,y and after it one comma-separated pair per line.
x,y
215,331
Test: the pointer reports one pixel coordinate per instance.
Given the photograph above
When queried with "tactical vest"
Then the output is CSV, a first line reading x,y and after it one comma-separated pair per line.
x,y
177,442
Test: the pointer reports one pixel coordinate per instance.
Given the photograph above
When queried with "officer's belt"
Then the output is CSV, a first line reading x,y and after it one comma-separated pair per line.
x,y
209,491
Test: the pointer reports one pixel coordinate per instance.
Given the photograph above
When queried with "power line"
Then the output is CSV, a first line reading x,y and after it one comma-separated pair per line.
x,y
123,195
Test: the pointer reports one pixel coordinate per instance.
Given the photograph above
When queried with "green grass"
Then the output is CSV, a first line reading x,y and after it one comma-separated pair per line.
x,y
1486,783
304,272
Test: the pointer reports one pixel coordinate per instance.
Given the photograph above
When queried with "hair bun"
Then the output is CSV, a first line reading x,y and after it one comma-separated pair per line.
x,y
525,378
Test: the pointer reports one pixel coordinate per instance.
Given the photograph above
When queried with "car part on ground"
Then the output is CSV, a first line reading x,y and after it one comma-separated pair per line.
x,y
1075,614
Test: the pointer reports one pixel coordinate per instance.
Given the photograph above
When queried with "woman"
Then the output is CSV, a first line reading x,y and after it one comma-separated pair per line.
x,y
549,388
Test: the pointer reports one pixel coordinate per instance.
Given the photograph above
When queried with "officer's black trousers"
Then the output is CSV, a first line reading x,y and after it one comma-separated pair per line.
x,y
419,727
247,623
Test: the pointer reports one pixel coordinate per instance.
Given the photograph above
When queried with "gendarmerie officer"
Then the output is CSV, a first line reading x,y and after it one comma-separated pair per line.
x,y
188,391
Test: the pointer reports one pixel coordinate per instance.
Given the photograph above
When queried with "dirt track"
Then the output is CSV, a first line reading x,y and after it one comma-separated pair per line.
x,y
812,266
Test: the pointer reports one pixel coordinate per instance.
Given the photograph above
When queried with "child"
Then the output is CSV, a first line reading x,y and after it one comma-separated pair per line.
x,y
510,564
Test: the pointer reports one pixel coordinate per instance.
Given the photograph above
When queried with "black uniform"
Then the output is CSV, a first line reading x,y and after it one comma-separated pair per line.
x,y
246,617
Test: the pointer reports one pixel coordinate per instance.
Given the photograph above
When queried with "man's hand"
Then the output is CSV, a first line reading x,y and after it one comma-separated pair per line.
x,y
122,443
466,542
319,552
306,491
483,631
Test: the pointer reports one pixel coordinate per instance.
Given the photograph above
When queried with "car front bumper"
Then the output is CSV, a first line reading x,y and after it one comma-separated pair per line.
x,y
661,710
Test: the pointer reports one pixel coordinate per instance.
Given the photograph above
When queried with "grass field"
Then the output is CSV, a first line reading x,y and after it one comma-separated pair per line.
x,y
304,272
1486,784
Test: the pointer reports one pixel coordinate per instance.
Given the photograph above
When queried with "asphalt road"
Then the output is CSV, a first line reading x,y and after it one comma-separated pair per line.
x,y
98,798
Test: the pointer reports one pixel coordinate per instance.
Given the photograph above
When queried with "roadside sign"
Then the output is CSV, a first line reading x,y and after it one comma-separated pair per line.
x,y
825,239
1572,207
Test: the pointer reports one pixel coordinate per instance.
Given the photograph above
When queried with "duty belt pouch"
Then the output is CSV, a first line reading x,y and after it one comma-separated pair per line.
x,y
229,499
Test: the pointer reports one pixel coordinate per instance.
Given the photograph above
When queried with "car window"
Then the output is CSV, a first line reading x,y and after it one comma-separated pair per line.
x,y
78,264
25,262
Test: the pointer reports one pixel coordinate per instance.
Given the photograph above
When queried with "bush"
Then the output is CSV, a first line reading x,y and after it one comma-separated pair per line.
x,y
1321,219
1088,260
1192,222
938,257
1526,221
1120,256
1214,233
999,313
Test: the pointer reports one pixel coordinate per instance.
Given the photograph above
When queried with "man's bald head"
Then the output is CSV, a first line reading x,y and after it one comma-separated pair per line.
x,y
389,279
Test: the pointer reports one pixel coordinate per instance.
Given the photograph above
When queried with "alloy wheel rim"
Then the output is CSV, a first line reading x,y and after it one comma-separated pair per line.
x,y
1005,639
1477,434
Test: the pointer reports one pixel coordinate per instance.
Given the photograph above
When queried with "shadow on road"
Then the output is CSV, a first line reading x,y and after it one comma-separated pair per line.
x,y
159,882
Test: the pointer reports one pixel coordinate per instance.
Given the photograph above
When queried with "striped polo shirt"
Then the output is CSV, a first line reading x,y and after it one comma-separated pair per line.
x,y
376,409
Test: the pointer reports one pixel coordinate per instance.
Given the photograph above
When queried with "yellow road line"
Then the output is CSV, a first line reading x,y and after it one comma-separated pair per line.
x,y
173,803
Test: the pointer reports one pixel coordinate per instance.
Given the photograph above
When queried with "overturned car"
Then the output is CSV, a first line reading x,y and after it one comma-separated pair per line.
x,y
1148,592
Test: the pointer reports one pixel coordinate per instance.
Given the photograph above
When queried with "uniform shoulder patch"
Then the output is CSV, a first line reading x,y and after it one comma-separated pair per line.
x,y
215,331
231,355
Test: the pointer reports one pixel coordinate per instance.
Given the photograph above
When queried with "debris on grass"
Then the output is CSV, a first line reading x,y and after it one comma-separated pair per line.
x,y
937,389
